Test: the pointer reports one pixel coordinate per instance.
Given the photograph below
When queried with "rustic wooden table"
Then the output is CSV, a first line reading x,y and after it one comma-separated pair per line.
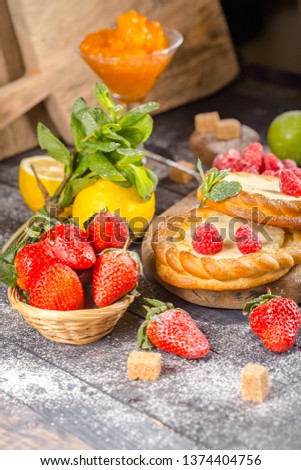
x,y
56,396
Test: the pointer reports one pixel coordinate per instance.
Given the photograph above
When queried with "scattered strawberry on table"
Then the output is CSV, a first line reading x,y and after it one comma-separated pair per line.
x,y
171,329
276,320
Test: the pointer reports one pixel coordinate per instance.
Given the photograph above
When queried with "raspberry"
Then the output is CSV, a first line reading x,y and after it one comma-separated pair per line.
x,y
271,173
250,169
229,160
271,162
290,184
247,240
289,164
297,172
207,240
252,156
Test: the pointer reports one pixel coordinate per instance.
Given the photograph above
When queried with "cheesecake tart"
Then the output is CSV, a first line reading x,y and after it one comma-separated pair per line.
x,y
260,200
178,264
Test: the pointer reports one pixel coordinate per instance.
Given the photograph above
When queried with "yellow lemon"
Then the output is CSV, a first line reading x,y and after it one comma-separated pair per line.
x,y
124,201
50,173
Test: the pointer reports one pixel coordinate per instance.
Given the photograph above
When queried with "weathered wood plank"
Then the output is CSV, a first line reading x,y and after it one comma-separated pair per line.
x,y
79,408
23,428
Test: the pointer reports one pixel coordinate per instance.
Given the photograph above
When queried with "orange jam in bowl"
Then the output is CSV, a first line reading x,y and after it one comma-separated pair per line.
x,y
130,57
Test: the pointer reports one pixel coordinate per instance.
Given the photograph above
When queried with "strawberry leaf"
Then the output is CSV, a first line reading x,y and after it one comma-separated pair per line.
x,y
261,300
8,273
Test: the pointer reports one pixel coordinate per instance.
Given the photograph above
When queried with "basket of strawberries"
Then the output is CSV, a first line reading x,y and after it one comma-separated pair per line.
x,y
73,281
73,286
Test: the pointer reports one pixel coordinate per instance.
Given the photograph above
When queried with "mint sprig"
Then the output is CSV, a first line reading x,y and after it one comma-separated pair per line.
x,y
106,141
214,187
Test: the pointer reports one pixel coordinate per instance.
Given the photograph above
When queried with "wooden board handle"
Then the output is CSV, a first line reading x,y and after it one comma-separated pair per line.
x,y
18,97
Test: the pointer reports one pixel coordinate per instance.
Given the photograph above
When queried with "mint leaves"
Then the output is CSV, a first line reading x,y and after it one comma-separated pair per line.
x,y
214,187
106,142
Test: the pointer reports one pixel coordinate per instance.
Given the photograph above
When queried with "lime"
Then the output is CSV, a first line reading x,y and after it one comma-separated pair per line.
x,y
284,136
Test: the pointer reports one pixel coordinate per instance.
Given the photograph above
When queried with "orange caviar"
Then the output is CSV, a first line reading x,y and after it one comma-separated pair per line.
x,y
123,57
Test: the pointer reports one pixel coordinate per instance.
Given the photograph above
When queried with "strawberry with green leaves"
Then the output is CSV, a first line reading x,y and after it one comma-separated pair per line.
x,y
276,320
115,274
57,288
173,330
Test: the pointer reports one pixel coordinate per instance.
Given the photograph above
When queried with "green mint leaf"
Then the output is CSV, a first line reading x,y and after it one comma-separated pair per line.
x,y
224,190
54,147
124,162
92,146
74,187
105,100
145,127
77,129
84,159
131,152
91,119
132,135
153,177
143,183
130,118
100,165
8,273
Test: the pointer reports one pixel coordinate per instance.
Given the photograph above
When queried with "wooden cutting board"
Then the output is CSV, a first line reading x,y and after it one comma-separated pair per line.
x,y
46,32
288,285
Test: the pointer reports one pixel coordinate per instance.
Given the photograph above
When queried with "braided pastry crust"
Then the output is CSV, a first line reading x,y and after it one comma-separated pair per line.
x,y
179,265
260,201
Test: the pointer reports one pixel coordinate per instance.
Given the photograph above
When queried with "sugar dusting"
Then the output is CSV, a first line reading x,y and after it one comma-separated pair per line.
x,y
84,388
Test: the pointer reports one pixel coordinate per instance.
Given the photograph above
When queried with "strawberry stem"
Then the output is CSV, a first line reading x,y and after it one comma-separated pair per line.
x,y
153,314
262,299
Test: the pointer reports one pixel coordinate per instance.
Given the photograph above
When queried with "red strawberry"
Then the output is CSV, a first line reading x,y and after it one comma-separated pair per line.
x,y
115,274
69,245
247,240
252,157
289,164
271,162
275,320
30,261
172,330
57,288
207,240
290,184
108,231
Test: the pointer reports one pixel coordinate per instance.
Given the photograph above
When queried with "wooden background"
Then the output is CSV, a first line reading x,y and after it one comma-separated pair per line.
x,y
41,75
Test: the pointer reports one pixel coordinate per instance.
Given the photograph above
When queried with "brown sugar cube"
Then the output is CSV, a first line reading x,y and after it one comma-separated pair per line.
x,y
227,129
179,176
205,122
254,382
144,365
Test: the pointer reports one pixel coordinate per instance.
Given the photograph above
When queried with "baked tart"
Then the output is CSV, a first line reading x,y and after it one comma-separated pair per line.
x,y
260,200
180,265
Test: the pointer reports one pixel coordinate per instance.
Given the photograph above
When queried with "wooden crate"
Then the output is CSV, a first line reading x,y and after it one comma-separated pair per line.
x,y
38,63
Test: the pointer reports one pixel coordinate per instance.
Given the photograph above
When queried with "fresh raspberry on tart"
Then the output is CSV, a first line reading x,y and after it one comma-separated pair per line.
x,y
206,240
247,240
290,184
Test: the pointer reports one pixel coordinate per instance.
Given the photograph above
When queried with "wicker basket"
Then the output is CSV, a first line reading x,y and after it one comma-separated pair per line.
x,y
73,327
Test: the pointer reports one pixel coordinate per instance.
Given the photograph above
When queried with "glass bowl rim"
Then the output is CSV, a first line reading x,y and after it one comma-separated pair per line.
x,y
179,39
